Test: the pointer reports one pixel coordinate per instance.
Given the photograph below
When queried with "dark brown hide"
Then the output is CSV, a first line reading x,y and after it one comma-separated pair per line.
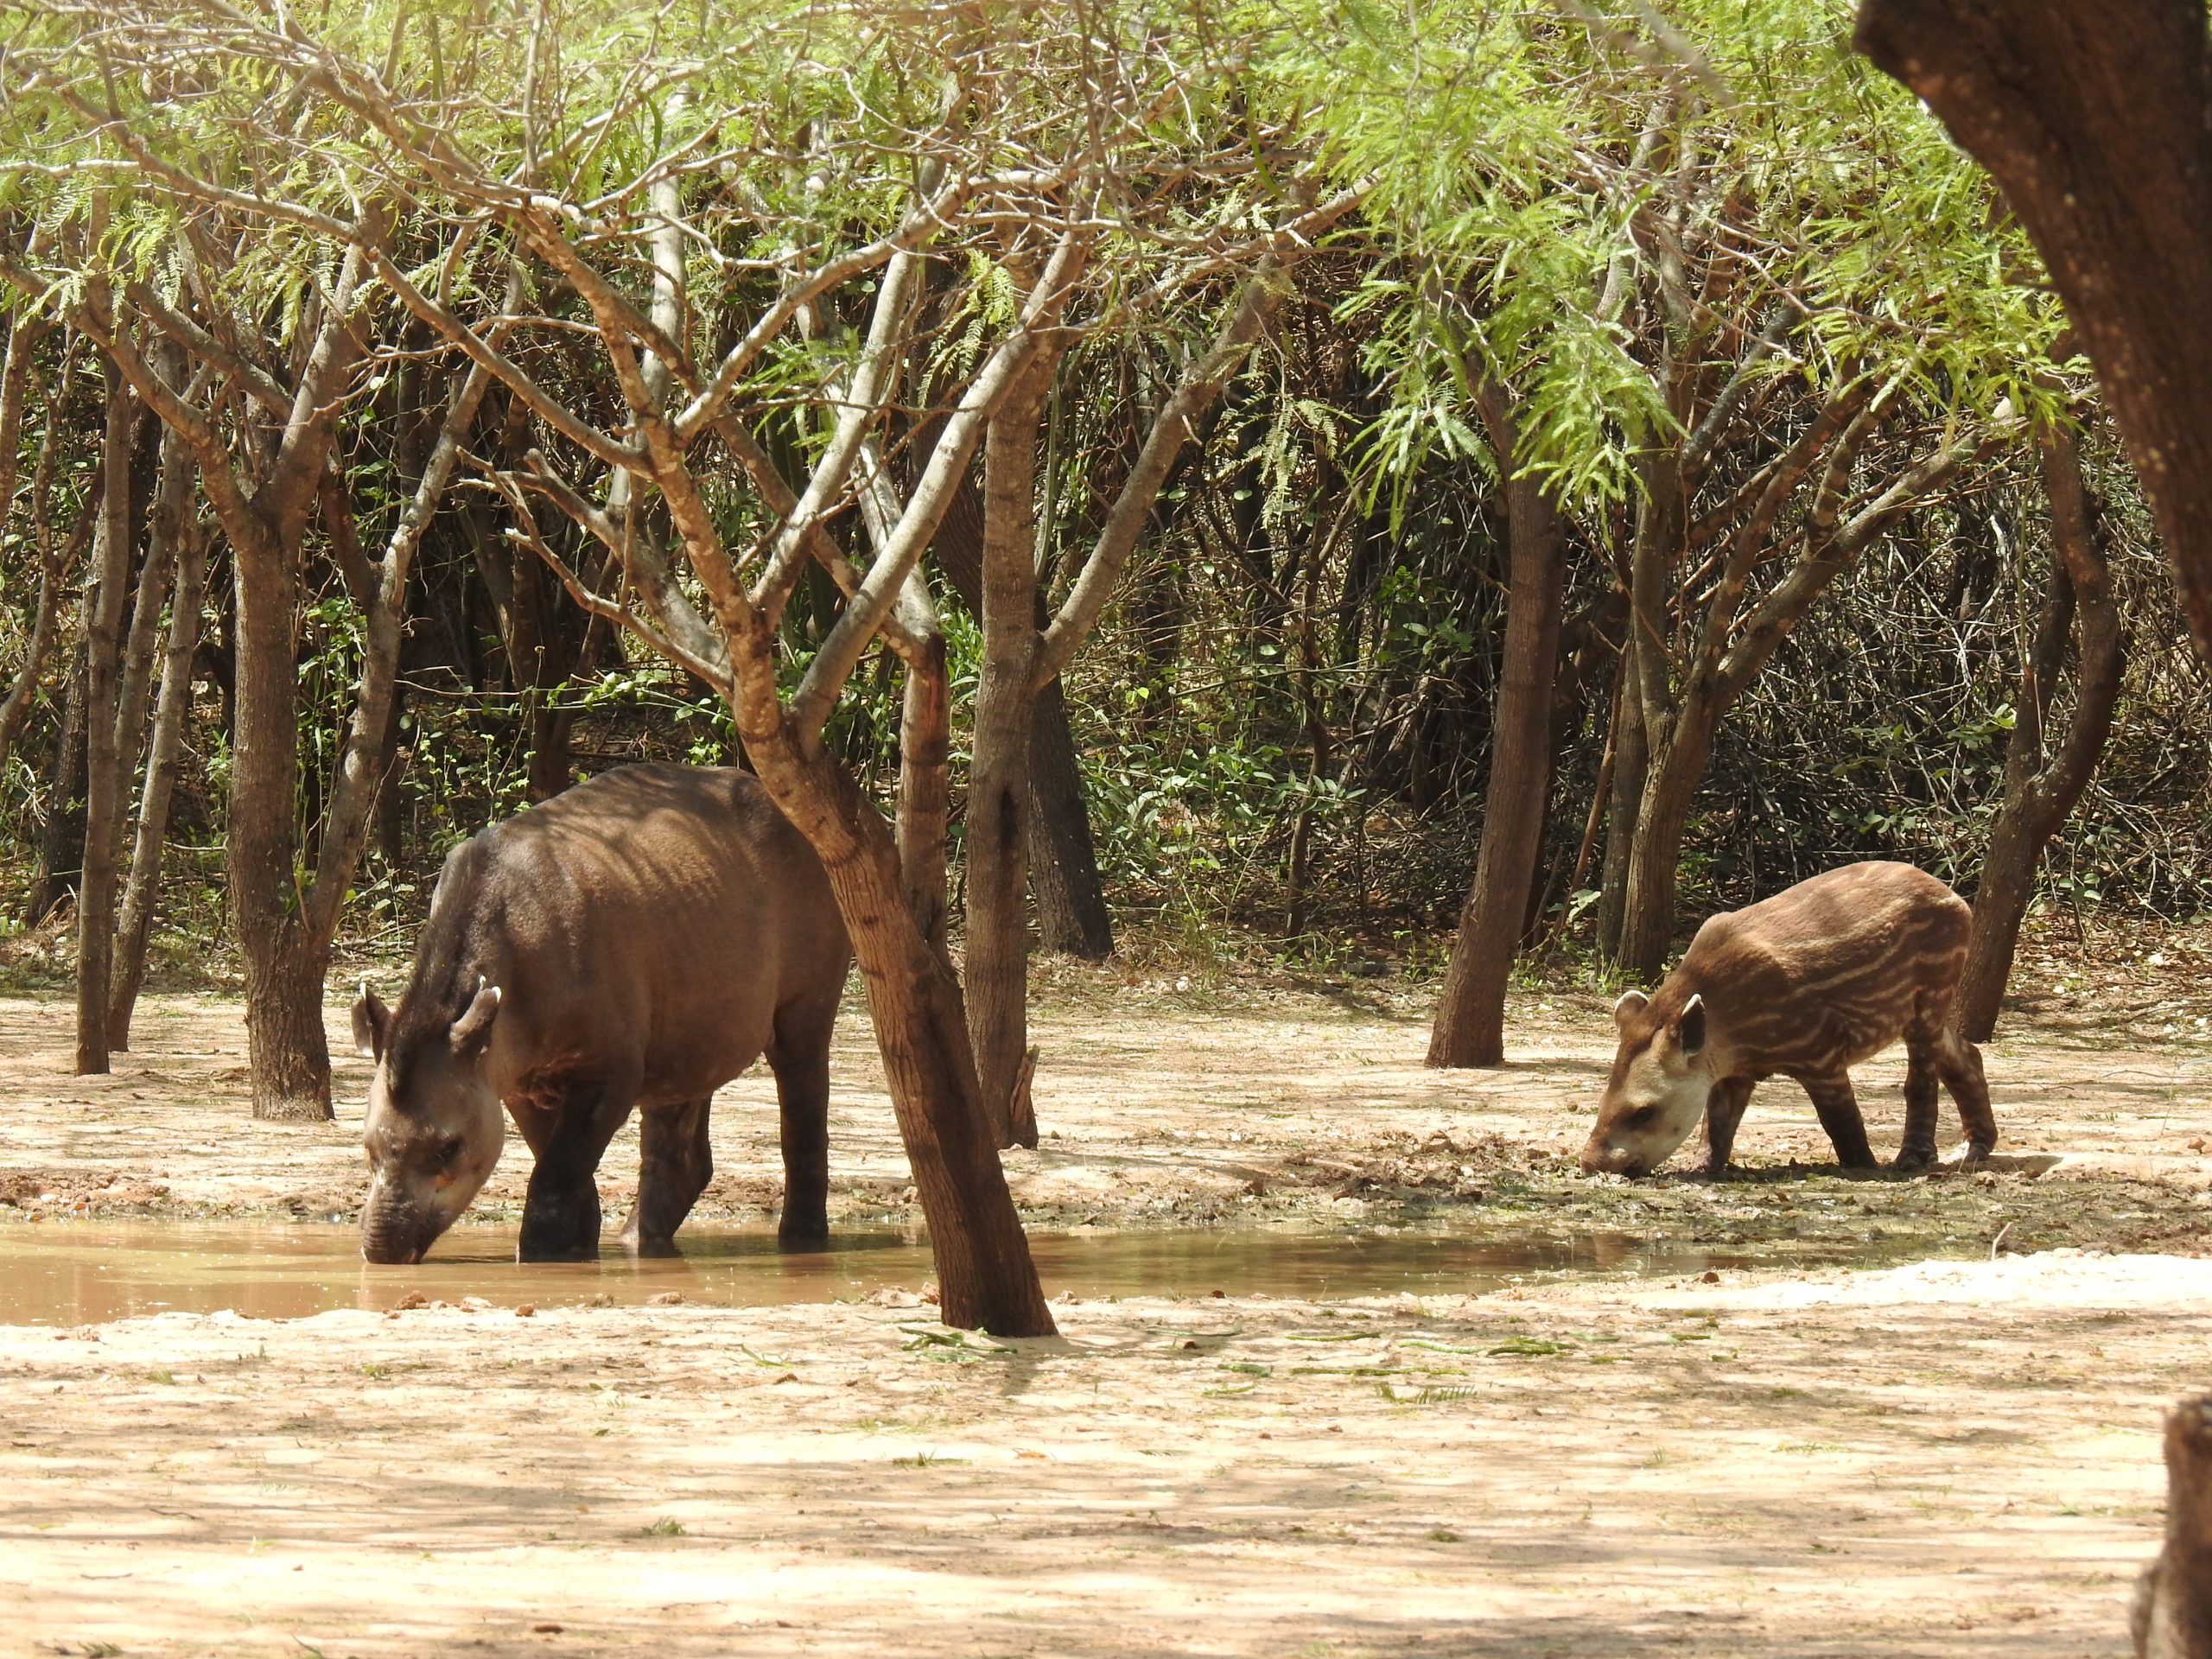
x,y
634,943
1804,985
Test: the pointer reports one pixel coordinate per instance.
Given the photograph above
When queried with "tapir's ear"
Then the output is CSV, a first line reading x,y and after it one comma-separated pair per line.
x,y
1689,1030
1631,1004
371,1020
474,1029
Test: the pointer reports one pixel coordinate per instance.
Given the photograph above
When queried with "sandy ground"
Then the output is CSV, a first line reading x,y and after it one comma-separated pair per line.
x,y
1207,1103
1937,1460
1940,1457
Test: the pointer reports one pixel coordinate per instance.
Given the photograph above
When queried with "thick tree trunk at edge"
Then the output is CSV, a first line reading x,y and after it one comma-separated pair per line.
x,y
2093,120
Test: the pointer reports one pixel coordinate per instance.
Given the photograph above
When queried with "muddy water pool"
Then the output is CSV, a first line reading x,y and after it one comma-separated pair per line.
x,y
76,1273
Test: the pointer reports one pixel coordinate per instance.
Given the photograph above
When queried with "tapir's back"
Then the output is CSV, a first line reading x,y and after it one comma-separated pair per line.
x,y
1832,970
659,913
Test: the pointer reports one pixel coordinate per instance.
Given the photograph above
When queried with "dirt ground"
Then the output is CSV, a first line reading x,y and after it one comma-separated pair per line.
x,y
1940,1457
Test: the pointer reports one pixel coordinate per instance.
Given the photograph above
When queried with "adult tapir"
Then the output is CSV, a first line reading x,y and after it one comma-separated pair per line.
x,y
634,943
1804,985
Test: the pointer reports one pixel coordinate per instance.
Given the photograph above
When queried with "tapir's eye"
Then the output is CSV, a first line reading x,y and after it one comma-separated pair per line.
x,y
1643,1115
449,1154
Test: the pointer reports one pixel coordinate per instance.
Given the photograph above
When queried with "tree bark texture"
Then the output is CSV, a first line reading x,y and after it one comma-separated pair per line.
x,y
1470,1024
1071,913
2094,121
986,1278
1062,859
2172,1616
175,524
289,1053
1631,761
103,784
61,839
998,783
2042,787
923,828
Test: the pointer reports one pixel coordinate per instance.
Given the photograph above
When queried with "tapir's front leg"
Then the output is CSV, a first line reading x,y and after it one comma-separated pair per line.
x,y
1724,1110
560,1213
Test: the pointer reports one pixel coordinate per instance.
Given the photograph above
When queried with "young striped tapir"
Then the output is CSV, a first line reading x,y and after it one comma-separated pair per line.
x,y
1804,985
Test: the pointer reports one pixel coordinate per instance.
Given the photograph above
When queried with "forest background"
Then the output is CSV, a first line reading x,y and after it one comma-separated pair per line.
x,y
1666,363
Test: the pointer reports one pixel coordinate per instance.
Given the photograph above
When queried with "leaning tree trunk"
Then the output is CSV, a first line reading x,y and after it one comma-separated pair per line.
x,y
173,523
986,1278
96,884
2094,121
1469,1028
2038,796
2172,1616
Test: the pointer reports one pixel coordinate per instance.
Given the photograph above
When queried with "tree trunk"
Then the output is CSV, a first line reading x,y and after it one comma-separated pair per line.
x,y
2172,1616
388,818
289,1053
2039,797
1063,860
998,787
164,752
1470,1027
924,819
104,782
61,841
986,1278
1656,851
1632,763
1071,914
2092,119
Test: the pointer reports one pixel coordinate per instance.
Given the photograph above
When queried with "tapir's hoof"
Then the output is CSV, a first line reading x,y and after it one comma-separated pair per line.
x,y
556,1243
1967,1154
650,1248
567,1252
1910,1160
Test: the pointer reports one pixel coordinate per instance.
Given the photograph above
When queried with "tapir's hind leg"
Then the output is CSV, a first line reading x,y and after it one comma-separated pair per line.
x,y
1917,1149
676,1162
799,1056
1839,1108
1958,1061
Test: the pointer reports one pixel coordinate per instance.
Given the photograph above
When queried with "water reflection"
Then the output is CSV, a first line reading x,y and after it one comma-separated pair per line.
x,y
68,1273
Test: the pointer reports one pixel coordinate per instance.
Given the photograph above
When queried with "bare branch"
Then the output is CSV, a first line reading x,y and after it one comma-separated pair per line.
x,y
1201,384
